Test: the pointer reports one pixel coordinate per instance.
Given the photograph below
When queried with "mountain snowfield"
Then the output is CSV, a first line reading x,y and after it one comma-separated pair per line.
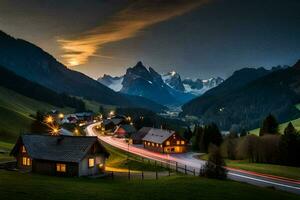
x,y
172,79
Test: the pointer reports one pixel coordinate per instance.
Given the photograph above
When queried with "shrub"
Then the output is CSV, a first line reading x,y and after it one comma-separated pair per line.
x,y
215,166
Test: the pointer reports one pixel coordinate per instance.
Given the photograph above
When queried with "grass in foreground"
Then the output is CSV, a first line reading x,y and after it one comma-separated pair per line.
x,y
277,170
15,185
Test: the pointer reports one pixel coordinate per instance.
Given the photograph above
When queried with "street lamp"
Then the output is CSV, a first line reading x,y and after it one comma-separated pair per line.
x,y
49,119
61,116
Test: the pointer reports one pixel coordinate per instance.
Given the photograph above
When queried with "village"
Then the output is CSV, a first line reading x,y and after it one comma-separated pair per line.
x,y
67,150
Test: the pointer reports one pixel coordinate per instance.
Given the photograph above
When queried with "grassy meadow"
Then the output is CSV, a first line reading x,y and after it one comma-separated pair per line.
x,y
15,185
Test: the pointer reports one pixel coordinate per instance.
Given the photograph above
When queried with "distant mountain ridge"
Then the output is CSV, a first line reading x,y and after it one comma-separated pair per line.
x,y
165,89
248,96
32,63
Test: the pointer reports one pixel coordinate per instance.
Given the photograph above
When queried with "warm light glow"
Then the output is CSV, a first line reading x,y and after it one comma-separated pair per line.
x,y
126,23
61,167
168,143
61,116
91,162
23,149
26,161
112,113
76,131
182,142
177,142
49,119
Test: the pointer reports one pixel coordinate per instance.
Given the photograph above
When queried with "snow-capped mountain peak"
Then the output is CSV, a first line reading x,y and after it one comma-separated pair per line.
x,y
169,87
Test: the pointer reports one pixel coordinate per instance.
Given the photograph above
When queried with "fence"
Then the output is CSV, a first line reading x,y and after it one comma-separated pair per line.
x,y
162,169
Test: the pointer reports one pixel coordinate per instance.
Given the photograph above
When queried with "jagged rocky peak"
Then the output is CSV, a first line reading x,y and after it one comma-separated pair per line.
x,y
173,79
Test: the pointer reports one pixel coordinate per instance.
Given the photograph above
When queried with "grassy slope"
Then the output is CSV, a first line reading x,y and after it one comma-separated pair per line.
x,y
16,185
282,126
295,122
15,111
277,170
118,159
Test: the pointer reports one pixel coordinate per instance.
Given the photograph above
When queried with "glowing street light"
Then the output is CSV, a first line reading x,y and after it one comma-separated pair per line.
x,y
111,113
61,116
55,131
49,119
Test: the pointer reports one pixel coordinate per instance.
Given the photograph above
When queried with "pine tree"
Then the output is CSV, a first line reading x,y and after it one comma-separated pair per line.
x,y
212,135
188,134
289,146
269,126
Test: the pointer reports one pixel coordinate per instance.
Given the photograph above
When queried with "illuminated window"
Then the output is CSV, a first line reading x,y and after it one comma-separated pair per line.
x,y
91,162
23,149
156,145
26,161
168,143
149,144
153,144
60,167
182,142
161,145
177,142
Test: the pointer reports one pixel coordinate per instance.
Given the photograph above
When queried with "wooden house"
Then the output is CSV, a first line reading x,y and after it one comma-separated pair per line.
x,y
137,138
60,155
164,141
124,130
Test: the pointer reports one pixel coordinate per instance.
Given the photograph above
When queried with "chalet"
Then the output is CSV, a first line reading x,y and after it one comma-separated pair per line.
x,y
137,138
60,155
164,141
124,130
110,125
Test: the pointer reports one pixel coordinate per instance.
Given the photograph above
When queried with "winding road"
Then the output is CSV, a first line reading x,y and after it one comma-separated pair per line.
x,y
193,165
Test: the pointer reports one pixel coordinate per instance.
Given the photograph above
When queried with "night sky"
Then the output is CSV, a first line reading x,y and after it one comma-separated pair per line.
x,y
197,38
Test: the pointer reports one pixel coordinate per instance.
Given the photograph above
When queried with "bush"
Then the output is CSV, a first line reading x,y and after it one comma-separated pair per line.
x,y
215,166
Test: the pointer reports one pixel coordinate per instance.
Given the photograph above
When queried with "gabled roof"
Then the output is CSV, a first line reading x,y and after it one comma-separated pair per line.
x,y
128,128
158,135
141,133
58,148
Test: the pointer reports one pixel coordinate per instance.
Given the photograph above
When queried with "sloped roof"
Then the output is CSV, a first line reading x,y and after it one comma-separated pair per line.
x,y
128,128
58,148
158,135
141,133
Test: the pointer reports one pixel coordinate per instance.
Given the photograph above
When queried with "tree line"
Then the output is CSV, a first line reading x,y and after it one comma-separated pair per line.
x,y
269,147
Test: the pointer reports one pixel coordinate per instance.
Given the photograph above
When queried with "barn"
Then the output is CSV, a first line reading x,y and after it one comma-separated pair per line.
x,y
60,155
164,141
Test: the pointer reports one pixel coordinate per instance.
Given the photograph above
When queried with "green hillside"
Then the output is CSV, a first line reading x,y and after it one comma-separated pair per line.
x,y
15,111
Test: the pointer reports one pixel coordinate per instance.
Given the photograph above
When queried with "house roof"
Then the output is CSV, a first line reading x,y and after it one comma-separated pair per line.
x,y
58,148
141,133
128,128
117,121
158,135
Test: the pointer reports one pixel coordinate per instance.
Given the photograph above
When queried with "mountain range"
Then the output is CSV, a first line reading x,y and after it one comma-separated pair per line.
x,y
34,64
166,89
248,96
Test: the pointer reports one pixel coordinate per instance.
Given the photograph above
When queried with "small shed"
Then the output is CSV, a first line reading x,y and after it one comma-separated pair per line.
x,y
60,155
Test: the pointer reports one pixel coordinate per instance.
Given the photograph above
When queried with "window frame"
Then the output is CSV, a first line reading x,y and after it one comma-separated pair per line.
x,y
90,163
61,167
